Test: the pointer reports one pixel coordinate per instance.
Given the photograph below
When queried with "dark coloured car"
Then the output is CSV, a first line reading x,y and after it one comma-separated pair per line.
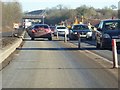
x,y
52,29
108,30
83,29
40,31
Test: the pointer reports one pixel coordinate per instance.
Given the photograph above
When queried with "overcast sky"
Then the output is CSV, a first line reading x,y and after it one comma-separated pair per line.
x,y
30,5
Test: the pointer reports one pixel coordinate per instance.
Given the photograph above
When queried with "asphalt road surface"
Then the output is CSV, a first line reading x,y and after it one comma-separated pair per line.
x,y
55,64
91,46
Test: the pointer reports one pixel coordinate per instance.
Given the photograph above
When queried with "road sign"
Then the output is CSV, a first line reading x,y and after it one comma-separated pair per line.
x,y
15,25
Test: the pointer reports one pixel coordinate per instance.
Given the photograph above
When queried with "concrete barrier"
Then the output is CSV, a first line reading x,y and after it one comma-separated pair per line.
x,y
8,50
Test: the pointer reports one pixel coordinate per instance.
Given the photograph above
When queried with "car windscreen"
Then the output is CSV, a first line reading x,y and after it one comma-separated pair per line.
x,y
61,27
112,25
80,27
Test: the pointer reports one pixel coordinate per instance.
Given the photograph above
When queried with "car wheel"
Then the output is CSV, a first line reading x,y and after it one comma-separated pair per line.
x,y
97,45
50,38
70,38
54,34
32,38
101,45
90,38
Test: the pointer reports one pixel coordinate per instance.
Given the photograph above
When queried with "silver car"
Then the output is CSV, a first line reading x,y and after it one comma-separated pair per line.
x,y
61,30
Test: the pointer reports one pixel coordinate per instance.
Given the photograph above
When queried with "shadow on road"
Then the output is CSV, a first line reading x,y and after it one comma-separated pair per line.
x,y
52,49
27,39
90,45
94,68
59,49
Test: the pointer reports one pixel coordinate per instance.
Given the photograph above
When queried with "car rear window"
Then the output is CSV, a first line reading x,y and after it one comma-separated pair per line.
x,y
80,27
61,27
112,25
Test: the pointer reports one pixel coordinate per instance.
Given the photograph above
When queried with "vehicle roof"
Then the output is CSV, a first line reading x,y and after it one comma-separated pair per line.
x,y
60,26
111,20
41,24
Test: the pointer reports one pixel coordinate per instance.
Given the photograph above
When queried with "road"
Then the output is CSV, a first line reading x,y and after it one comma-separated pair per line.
x,y
55,64
10,33
91,46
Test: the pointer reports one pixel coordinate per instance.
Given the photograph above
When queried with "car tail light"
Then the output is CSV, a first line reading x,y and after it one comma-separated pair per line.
x,y
33,31
47,30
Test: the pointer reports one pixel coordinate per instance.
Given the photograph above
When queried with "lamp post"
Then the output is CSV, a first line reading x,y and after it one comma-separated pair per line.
x,y
43,19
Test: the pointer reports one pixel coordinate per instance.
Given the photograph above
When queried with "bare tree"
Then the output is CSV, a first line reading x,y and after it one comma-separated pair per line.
x,y
11,13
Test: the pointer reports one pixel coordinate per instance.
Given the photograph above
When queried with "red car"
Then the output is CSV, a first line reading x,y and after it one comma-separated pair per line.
x,y
40,31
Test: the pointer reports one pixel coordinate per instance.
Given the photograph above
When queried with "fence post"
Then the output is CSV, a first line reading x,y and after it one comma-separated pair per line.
x,y
57,35
114,50
79,40
65,37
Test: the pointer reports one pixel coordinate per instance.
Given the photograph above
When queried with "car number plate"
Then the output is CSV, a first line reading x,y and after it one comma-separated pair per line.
x,y
41,31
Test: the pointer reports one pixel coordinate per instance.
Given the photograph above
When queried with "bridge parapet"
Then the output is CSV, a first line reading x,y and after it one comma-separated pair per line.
x,y
28,16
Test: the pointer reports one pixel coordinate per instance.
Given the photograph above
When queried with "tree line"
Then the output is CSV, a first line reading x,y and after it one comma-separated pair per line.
x,y
12,13
61,13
